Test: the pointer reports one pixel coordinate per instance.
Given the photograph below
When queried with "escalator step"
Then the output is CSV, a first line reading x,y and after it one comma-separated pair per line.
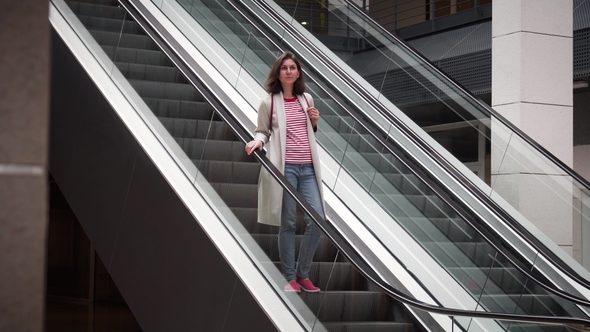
x,y
335,277
230,172
510,280
431,206
102,9
237,194
124,40
369,327
339,276
200,149
173,91
433,229
480,252
184,109
99,2
343,306
110,24
248,217
398,205
455,229
204,129
137,56
326,251
523,304
454,255
150,73
493,281
422,229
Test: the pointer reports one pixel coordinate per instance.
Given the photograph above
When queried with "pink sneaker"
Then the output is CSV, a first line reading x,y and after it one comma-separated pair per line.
x,y
307,285
292,286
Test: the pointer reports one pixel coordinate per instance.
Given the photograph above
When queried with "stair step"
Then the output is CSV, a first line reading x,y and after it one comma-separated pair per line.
x,y
184,109
201,149
230,172
151,73
173,91
203,129
368,326
110,24
123,40
326,251
137,56
343,306
237,194
97,9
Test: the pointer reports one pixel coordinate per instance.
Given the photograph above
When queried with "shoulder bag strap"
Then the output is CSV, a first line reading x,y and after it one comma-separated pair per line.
x,y
272,99
307,101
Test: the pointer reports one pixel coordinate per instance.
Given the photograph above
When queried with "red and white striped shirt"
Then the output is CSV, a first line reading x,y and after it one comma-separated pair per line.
x,y
297,145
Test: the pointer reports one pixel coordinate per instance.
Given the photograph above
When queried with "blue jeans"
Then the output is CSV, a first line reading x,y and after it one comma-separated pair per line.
x,y
302,177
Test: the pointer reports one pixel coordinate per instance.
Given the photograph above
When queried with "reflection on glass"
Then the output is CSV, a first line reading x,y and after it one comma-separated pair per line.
x,y
240,39
481,324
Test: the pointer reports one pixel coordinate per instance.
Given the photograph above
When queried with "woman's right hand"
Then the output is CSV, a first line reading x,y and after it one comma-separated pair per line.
x,y
253,145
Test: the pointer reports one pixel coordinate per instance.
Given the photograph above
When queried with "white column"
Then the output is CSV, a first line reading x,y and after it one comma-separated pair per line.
x,y
532,75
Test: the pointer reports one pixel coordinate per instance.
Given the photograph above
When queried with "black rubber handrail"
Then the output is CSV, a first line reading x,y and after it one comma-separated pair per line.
x,y
435,155
199,80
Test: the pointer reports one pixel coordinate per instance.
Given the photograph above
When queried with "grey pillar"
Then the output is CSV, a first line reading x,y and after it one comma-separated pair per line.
x,y
24,107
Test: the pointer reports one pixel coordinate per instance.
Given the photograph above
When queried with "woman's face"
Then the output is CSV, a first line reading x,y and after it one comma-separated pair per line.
x,y
288,73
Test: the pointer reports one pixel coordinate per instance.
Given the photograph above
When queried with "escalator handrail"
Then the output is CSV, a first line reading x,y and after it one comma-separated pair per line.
x,y
458,175
364,267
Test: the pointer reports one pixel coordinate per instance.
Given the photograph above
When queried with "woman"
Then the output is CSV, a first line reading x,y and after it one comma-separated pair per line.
x,y
288,117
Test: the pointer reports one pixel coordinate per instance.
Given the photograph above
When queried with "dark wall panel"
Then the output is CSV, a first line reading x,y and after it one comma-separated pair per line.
x,y
582,117
87,141
170,273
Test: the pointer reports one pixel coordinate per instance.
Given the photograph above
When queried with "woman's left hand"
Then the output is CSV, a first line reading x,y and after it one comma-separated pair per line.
x,y
314,115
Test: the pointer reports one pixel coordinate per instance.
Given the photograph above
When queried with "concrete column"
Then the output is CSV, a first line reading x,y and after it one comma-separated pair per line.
x,y
24,111
532,61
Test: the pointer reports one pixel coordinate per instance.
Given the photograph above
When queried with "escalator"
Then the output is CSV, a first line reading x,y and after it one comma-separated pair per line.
x,y
488,267
352,302
219,158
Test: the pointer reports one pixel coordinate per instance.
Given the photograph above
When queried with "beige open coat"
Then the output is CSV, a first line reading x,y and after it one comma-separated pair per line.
x,y
270,192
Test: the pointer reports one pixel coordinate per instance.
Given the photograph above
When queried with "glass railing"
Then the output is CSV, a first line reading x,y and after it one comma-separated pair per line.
x,y
388,176
390,14
513,170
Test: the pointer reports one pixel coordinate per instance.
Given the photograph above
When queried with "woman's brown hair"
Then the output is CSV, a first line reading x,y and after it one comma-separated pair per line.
x,y
272,83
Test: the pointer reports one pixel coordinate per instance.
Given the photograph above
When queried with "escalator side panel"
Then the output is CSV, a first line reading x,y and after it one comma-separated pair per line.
x,y
170,273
